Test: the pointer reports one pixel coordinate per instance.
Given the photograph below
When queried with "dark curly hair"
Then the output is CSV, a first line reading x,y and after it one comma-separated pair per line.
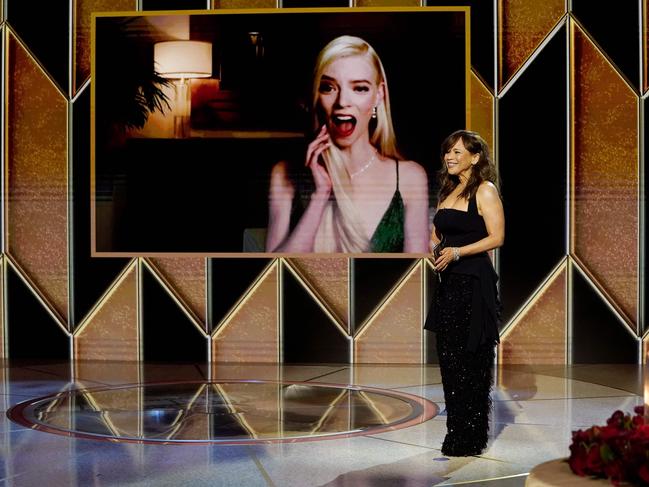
x,y
483,170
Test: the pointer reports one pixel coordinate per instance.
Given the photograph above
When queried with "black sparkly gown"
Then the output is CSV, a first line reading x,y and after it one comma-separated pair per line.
x,y
464,315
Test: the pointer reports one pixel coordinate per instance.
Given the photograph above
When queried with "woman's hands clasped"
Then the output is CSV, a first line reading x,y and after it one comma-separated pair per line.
x,y
446,256
320,175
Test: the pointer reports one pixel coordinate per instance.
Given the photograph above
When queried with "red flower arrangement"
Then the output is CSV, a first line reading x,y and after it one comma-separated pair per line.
x,y
618,451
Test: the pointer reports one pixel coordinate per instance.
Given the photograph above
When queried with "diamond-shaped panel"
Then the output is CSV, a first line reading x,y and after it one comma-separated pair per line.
x,y
186,276
111,331
83,10
37,176
32,332
535,248
330,280
168,333
47,40
386,3
174,4
216,4
605,174
372,281
313,3
251,332
309,333
538,335
598,335
524,25
231,278
394,333
615,27
482,109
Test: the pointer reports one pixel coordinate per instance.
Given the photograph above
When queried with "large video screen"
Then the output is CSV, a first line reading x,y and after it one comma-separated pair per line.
x,y
273,132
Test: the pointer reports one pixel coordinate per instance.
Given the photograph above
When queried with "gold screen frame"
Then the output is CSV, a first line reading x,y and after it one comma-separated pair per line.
x,y
343,10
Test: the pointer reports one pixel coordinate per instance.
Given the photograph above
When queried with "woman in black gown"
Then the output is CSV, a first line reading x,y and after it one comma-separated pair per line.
x,y
469,222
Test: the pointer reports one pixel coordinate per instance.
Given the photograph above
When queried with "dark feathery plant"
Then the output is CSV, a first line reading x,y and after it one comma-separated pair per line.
x,y
128,88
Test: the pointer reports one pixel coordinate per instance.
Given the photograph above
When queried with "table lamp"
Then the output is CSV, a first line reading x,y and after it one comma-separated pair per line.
x,y
181,61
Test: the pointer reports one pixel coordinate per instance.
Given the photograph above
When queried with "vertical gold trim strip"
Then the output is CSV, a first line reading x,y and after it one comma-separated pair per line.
x,y
71,48
3,312
498,48
139,312
467,65
280,309
4,116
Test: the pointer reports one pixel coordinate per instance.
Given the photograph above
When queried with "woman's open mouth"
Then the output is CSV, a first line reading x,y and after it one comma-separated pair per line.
x,y
342,125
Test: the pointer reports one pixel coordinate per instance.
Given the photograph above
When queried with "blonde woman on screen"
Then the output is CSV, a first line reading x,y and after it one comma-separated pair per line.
x,y
363,197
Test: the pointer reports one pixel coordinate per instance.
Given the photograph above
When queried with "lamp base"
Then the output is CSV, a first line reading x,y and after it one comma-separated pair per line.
x,y
182,108
181,126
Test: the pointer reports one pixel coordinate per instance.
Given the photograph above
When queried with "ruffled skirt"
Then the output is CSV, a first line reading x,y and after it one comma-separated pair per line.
x,y
466,376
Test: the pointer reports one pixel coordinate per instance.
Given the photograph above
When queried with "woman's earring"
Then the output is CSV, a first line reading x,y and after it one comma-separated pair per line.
x,y
373,112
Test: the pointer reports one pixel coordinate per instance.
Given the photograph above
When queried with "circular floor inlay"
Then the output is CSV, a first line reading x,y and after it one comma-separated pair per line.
x,y
234,411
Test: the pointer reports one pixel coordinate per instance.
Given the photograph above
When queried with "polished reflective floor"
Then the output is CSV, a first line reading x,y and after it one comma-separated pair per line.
x,y
535,410
234,411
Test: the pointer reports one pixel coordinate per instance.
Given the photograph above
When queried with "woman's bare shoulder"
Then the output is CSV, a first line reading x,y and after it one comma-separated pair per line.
x,y
412,174
411,169
488,191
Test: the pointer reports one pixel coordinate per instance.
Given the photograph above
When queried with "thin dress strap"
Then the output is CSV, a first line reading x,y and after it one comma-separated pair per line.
x,y
397,161
473,204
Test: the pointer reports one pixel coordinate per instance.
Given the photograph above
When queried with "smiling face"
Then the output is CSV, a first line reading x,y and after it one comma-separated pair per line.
x,y
459,161
347,93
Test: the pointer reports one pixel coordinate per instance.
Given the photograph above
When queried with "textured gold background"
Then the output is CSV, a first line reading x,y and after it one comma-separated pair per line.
x,y
524,25
603,198
606,175
37,176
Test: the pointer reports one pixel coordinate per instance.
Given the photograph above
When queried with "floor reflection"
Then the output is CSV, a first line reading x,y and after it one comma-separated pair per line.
x,y
235,411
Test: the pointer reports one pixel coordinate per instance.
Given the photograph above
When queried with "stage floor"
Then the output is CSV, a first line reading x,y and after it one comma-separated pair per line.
x,y
269,425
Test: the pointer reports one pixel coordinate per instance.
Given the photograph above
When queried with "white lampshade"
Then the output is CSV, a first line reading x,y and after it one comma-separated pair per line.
x,y
183,59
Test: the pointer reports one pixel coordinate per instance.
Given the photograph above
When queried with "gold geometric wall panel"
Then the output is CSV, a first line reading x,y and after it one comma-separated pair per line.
x,y
645,46
482,109
81,11
187,277
244,4
36,230
111,331
605,175
329,279
394,334
524,25
3,345
387,3
538,334
251,332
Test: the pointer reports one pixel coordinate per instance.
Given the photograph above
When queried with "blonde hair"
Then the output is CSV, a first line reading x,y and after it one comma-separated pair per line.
x,y
340,228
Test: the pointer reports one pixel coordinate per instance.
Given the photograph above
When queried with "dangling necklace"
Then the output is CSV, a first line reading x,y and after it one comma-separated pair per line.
x,y
362,169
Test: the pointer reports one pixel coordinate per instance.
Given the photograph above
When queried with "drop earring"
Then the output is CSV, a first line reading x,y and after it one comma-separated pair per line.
x,y
373,112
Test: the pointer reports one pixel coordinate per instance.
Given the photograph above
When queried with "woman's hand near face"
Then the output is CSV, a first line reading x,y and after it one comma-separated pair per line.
x,y
280,238
320,175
